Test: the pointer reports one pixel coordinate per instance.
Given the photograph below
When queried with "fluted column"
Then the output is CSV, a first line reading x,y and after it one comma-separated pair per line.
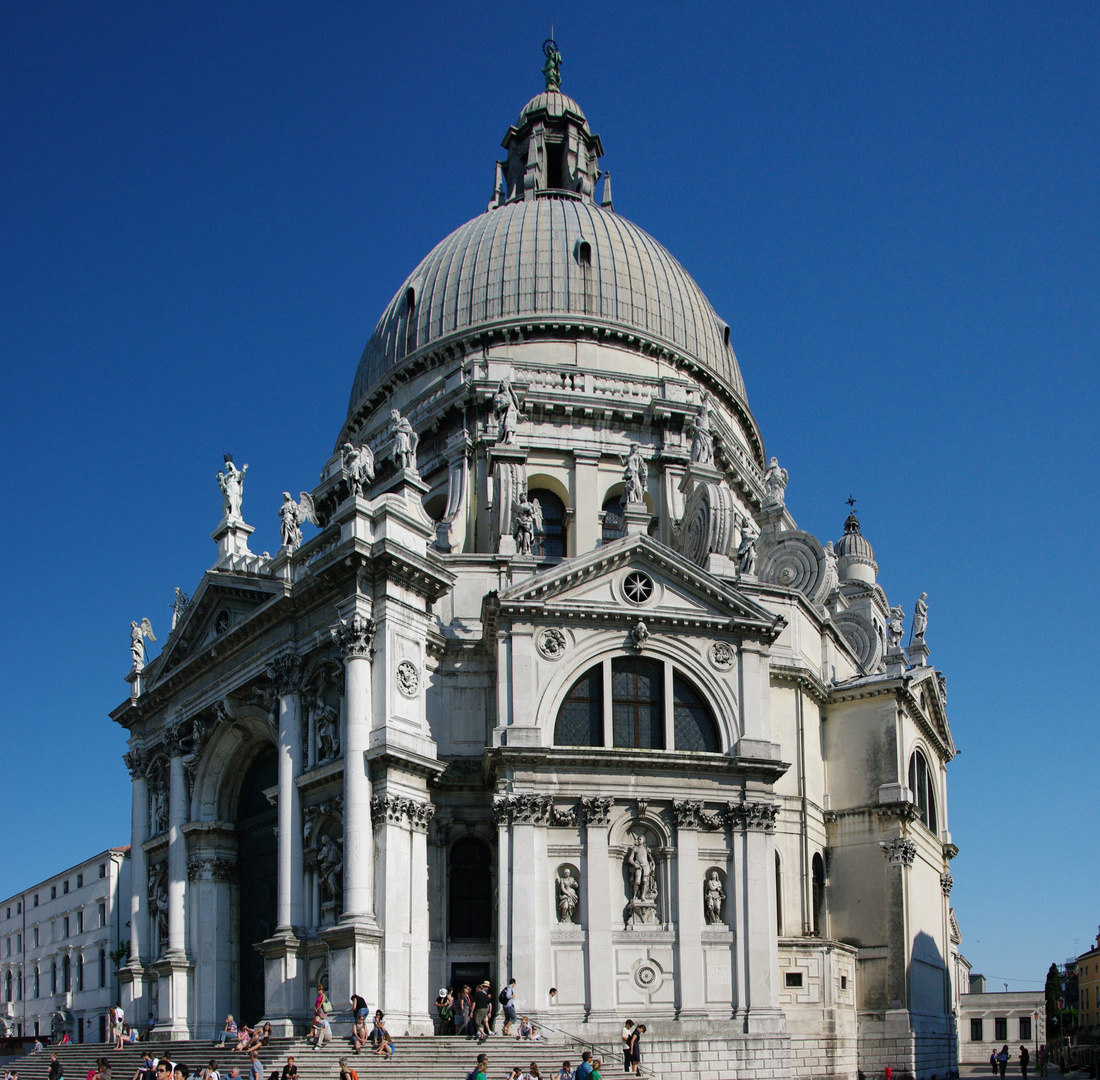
x,y
177,845
137,762
355,637
285,673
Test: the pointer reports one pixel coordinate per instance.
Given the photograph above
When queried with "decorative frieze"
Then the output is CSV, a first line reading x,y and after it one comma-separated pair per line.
x,y
754,815
399,810
355,636
522,809
211,868
690,814
899,852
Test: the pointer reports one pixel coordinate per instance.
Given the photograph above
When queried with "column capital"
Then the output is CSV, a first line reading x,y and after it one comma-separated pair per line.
x,y
355,636
690,814
211,868
596,809
899,852
174,739
285,672
759,816
397,809
137,761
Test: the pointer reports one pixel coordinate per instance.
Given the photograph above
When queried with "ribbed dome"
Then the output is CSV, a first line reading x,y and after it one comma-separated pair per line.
x,y
555,104
528,259
853,543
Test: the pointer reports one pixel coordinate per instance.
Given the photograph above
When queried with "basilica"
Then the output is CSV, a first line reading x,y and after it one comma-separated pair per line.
x,y
546,683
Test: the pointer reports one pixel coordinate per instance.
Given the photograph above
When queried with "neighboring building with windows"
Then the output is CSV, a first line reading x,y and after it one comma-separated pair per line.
x,y
662,763
56,941
988,1021
1088,991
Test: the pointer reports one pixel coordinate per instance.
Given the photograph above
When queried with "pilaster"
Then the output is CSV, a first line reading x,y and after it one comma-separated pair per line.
x,y
599,915
689,917
585,534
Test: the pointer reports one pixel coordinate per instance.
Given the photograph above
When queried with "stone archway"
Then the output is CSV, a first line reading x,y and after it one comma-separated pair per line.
x,y
257,863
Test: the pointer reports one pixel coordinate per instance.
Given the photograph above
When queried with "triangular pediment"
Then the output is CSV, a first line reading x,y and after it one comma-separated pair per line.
x,y
927,693
598,585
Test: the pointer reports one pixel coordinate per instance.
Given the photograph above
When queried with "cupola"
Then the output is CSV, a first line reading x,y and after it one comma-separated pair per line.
x,y
855,556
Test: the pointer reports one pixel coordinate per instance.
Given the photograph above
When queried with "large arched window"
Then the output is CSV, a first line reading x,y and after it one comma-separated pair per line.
x,y
651,706
550,543
612,519
470,891
920,784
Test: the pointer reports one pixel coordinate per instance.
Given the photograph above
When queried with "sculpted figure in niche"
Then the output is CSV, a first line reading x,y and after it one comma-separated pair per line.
x,y
896,627
359,465
330,864
506,412
231,482
138,633
635,473
746,551
775,484
528,522
702,435
160,808
405,442
291,516
643,870
567,896
920,617
713,897
328,739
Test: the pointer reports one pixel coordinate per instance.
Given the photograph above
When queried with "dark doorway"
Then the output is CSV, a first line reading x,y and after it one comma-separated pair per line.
x,y
468,974
470,899
258,864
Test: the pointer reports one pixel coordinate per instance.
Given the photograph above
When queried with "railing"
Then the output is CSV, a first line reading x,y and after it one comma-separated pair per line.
x,y
607,1053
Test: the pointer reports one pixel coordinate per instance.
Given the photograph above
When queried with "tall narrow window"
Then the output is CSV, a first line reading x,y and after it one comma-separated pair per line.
x,y
53,976
818,870
8,991
580,719
37,982
102,968
778,896
470,891
920,784
638,707
410,320
555,165
80,972
66,975
612,519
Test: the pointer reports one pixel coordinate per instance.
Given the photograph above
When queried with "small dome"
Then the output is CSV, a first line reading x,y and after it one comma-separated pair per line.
x,y
555,104
855,556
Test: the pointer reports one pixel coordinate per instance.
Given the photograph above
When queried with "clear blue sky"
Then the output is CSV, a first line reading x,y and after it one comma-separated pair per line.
x,y
207,206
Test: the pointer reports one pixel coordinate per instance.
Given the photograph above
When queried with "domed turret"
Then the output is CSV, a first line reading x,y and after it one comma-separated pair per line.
x,y
856,557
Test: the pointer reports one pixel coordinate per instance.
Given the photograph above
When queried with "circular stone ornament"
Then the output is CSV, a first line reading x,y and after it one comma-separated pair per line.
x,y
721,655
551,643
408,678
646,976
637,587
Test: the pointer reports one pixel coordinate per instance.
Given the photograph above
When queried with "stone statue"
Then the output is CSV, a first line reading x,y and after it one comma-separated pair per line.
x,y
713,897
920,617
528,523
775,484
328,738
639,635
643,870
405,442
138,633
746,550
330,865
158,901
179,606
831,572
359,465
552,68
506,412
160,808
701,431
895,628
291,516
567,896
635,473
231,482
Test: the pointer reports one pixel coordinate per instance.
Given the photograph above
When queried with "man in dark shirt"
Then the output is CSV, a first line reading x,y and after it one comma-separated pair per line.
x,y
55,1068
483,1003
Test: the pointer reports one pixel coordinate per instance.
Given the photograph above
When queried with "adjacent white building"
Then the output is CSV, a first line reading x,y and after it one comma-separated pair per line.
x,y
989,1021
56,945
560,691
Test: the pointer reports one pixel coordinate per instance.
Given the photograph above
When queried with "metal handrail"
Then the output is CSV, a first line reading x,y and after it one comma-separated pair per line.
x,y
612,1052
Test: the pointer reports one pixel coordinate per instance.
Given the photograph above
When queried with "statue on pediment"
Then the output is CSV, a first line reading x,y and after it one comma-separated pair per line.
x,y
920,617
746,550
231,483
895,628
405,442
775,484
138,633
291,516
179,606
701,430
506,412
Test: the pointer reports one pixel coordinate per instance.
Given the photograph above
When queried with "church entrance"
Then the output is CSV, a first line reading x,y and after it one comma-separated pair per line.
x,y
257,860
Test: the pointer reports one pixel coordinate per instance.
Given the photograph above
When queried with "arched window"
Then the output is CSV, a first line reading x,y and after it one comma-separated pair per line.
x,y
612,519
550,543
470,891
66,975
818,871
778,896
636,716
102,968
920,784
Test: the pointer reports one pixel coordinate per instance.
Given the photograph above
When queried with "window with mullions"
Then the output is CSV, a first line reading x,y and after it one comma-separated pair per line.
x,y
691,719
580,721
920,784
638,705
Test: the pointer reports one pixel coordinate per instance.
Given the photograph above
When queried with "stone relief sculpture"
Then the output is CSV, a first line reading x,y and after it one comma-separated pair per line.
x,y
231,482
405,442
158,902
920,617
138,633
528,523
179,606
567,896
159,799
775,484
639,635
635,473
746,550
895,628
713,897
328,726
330,868
506,412
291,516
702,435
359,466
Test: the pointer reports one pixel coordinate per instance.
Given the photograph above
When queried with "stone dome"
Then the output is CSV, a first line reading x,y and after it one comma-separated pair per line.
x,y
557,257
555,104
855,556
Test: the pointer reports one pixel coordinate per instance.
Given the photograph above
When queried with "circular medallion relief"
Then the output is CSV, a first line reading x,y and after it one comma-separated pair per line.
x,y
408,678
645,976
551,643
721,655
637,587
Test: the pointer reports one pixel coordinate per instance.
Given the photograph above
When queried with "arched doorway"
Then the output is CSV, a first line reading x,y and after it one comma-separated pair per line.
x,y
257,860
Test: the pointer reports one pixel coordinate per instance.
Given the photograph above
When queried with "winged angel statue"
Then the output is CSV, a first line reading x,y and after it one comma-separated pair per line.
x,y
291,515
138,633
528,523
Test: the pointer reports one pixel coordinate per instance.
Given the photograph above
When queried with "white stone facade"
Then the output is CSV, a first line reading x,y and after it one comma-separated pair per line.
x,y
672,762
56,941
988,1021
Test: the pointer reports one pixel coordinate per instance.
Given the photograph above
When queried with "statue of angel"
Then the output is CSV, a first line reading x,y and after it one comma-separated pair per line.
x,y
528,523
359,465
405,442
636,474
702,435
179,606
231,482
292,514
775,484
895,628
746,550
506,412
138,634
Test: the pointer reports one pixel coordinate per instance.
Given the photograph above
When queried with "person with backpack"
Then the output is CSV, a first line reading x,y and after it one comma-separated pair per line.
x,y
444,1005
478,1072
584,1069
507,1000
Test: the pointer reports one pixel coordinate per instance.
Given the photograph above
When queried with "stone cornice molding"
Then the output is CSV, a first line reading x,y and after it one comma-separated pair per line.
x,y
398,810
899,852
285,673
355,637
802,677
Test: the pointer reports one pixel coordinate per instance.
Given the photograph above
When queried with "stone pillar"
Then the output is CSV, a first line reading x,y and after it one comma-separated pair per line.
x,y
285,673
177,850
755,694
137,762
899,854
689,912
600,911
420,992
586,500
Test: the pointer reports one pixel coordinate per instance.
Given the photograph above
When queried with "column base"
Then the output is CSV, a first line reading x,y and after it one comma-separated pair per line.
x,y
173,973
355,958
286,1007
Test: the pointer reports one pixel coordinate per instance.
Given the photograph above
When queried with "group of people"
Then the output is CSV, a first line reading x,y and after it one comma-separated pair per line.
x,y
588,1069
632,1046
470,1012
244,1037
998,1061
364,1032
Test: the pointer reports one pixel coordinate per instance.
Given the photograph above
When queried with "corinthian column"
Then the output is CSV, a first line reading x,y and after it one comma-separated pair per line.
x,y
355,637
137,762
177,844
285,673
